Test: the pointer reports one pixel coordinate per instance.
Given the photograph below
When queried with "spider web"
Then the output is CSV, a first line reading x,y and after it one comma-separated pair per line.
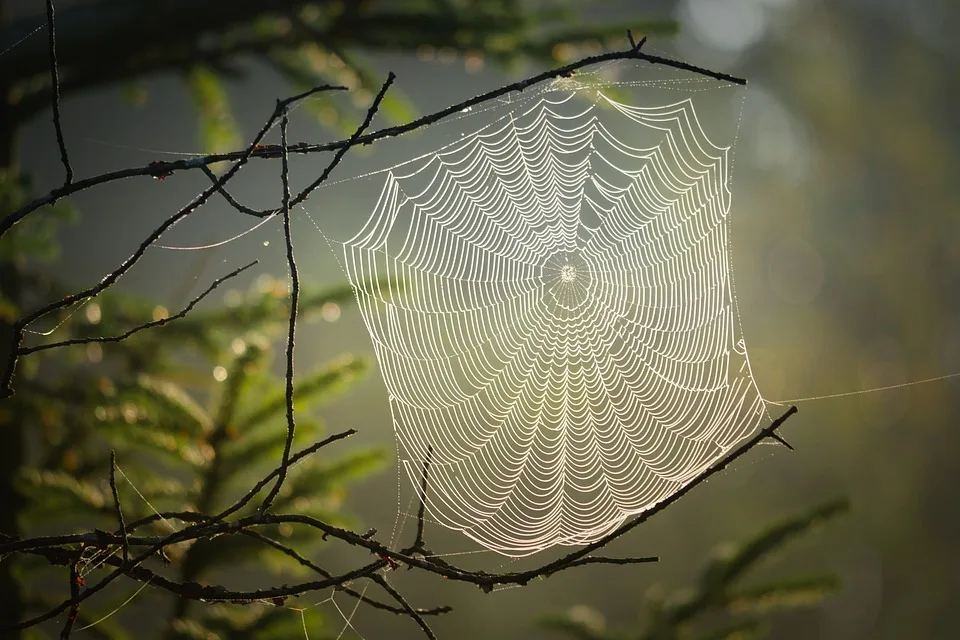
x,y
564,345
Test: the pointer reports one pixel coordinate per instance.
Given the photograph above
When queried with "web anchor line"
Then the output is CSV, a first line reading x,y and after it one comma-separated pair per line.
x,y
860,392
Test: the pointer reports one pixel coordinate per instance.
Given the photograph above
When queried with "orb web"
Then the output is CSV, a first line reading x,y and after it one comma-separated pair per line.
x,y
564,340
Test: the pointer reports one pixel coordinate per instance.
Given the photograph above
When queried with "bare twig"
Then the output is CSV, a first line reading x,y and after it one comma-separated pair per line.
x,y
125,545
413,613
246,498
292,325
634,44
291,263
351,142
777,437
292,553
606,560
418,543
75,580
55,82
232,201
147,325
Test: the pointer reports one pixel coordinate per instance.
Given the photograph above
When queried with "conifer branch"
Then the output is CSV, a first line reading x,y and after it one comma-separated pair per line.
x,y
147,325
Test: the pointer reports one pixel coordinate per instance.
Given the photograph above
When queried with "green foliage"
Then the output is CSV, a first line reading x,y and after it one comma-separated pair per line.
x,y
33,237
218,129
186,440
505,33
718,596
309,43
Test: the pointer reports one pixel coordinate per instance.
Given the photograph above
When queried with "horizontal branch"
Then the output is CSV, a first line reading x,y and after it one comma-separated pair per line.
x,y
214,593
605,560
486,581
148,325
156,169
54,548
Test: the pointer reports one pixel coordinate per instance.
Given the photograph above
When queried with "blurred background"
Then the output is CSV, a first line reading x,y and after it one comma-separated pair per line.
x,y
845,230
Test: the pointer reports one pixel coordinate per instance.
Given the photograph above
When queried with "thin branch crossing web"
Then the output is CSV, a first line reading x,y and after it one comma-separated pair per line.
x,y
564,343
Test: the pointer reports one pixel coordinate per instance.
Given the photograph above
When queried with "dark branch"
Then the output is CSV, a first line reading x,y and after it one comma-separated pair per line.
x,y
418,543
246,498
148,325
304,562
292,325
74,596
352,141
55,86
413,613
606,560
634,44
230,199
291,263
125,545
217,526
